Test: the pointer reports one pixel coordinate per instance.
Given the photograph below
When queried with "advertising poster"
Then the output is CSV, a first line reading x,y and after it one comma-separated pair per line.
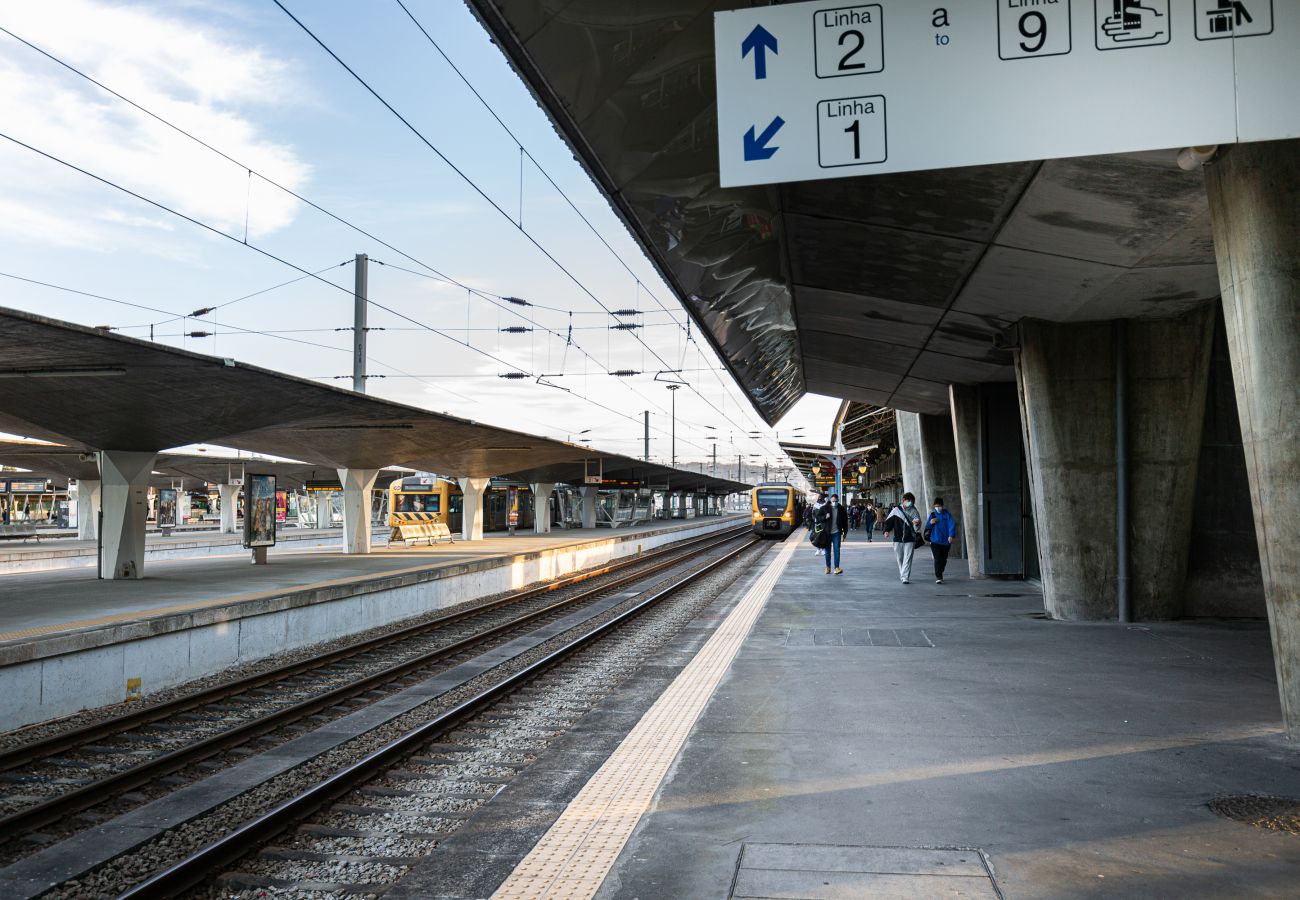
x,y
281,506
167,508
259,511
512,506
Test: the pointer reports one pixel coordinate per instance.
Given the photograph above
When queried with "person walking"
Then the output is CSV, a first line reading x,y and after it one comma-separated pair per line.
x,y
815,523
834,522
940,531
903,524
869,520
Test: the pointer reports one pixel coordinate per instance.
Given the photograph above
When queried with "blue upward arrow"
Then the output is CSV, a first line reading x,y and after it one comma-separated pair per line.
x,y
760,41
756,147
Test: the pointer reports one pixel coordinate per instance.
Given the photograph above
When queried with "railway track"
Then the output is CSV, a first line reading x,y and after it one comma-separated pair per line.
x,y
361,826
57,785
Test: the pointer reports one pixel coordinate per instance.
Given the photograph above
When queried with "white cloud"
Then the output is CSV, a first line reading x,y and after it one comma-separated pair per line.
x,y
202,80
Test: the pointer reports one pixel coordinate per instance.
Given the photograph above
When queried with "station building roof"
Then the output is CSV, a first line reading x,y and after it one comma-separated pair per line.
x,y
187,470
880,289
91,390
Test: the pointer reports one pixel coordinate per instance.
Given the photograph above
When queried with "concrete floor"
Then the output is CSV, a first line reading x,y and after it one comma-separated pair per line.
x,y
1078,757
75,597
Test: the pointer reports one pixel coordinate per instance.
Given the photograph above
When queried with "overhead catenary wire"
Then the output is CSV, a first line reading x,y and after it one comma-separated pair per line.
x,y
441,275
487,198
493,203
567,199
285,262
296,195
235,329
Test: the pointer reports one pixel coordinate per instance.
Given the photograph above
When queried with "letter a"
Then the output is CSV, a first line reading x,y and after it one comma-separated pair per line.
x,y
940,19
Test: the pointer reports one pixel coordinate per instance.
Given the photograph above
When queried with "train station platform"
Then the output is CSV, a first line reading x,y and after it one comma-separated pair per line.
x,y
70,641
875,739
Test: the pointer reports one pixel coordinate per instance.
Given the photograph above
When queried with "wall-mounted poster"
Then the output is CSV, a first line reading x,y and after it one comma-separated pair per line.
x,y
167,508
259,510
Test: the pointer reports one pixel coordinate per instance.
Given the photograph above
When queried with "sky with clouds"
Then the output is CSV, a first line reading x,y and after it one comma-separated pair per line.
x,y
281,116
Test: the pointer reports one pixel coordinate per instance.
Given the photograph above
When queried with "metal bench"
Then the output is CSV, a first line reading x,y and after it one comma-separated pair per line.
x,y
422,531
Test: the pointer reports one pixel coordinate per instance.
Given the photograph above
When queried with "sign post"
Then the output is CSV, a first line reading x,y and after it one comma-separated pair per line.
x,y
826,90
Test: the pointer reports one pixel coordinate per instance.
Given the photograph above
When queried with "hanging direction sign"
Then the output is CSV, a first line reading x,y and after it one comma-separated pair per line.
x,y
820,90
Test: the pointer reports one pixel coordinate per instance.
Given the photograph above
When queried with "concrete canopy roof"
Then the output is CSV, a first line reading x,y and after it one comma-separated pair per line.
x,y
881,289
90,390
187,470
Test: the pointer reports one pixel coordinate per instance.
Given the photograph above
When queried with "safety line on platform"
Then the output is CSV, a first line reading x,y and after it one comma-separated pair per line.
x,y
572,859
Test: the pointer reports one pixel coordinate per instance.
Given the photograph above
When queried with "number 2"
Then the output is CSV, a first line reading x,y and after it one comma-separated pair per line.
x,y
1040,32
845,65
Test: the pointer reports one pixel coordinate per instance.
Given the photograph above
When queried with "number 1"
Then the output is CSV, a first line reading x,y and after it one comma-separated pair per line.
x,y
856,128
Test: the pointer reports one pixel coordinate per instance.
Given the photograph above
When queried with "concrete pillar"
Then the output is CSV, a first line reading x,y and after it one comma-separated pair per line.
x,y
542,506
589,506
125,497
1256,219
228,500
358,491
88,499
1066,378
964,403
939,456
909,455
471,528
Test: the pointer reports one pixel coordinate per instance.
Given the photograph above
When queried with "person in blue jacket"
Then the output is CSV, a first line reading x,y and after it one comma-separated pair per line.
x,y
940,531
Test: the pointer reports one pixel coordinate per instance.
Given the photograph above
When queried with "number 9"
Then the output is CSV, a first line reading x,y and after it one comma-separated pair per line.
x,y
1039,32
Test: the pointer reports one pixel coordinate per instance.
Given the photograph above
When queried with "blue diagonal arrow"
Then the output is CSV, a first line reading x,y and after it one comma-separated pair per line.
x,y
759,41
756,147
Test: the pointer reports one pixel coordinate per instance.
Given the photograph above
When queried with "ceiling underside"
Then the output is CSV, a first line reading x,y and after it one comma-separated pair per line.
x,y
90,390
880,289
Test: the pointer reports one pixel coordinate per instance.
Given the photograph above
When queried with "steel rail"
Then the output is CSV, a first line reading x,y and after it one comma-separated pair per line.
x,y
79,799
193,869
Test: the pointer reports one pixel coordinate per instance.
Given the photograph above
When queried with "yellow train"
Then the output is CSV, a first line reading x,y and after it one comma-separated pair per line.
x,y
776,508
427,498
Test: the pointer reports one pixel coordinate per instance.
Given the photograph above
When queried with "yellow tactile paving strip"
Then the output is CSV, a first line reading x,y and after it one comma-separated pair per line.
x,y
574,856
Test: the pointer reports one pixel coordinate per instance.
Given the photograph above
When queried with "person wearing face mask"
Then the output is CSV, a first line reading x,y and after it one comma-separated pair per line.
x,y
834,521
903,524
940,530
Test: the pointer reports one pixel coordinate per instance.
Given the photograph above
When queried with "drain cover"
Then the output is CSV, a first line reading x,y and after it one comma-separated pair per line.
x,y
1006,595
1260,810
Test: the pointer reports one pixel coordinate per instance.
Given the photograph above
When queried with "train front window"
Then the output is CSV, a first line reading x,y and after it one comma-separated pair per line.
x,y
773,503
418,503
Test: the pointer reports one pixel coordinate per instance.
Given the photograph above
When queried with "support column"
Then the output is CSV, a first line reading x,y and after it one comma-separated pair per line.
x,y
125,497
939,456
358,493
589,506
542,506
88,500
471,528
1066,377
964,402
1256,220
909,455
228,498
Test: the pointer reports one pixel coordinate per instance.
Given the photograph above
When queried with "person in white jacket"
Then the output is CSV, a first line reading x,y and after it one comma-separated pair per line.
x,y
903,524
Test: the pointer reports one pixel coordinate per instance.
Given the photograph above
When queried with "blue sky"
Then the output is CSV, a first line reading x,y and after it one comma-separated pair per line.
x,y
245,78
